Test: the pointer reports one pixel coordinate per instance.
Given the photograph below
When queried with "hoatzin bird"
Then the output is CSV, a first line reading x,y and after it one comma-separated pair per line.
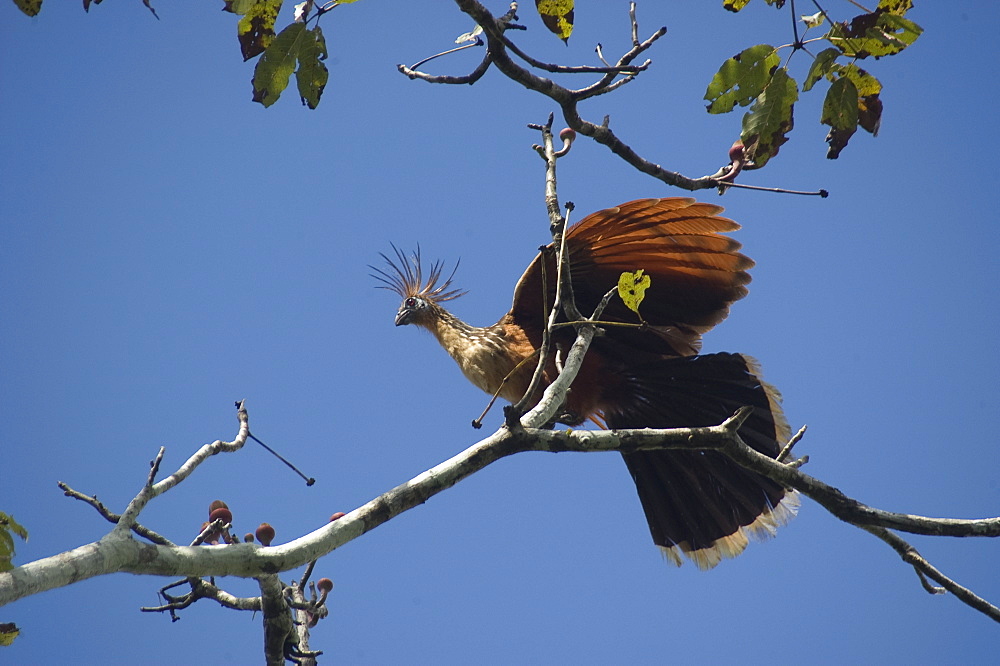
x,y
700,504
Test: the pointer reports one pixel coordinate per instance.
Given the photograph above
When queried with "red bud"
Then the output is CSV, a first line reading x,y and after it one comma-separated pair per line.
x,y
265,534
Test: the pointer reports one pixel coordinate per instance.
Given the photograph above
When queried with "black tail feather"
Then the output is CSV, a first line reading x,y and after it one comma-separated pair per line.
x,y
700,503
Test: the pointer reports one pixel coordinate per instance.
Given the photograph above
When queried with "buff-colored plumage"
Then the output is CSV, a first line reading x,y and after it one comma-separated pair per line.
x,y
700,505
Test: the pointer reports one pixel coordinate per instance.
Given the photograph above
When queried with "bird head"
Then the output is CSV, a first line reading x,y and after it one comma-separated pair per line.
x,y
411,310
405,277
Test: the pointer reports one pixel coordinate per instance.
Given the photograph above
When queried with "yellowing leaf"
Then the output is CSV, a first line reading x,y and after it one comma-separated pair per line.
x,y
8,632
632,289
557,15
898,7
256,27
29,7
863,81
877,34
737,5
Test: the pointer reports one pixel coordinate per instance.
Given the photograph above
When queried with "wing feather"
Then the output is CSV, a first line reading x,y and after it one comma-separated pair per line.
x,y
696,272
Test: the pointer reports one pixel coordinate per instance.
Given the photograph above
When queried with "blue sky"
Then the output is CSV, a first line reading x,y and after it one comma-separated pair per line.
x,y
167,247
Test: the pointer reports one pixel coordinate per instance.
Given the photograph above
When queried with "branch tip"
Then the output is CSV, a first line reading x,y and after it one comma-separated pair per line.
x,y
791,443
735,422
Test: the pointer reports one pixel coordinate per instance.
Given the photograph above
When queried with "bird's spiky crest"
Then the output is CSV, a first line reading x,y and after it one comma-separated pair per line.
x,y
406,278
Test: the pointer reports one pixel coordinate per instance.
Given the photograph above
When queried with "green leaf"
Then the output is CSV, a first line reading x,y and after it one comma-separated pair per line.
x,y
295,45
632,289
7,522
840,112
29,7
557,15
274,68
769,119
840,108
869,104
255,29
877,34
742,78
238,6
821,66
312,75
8,525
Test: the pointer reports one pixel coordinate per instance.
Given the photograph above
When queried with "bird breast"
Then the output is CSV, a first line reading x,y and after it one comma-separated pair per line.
x,y
487,356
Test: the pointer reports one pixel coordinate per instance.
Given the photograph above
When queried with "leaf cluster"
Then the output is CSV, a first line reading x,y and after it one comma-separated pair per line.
x,y
756,78
295,50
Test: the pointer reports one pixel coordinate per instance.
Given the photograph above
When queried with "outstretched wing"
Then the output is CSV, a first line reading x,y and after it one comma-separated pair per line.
x,y
696,272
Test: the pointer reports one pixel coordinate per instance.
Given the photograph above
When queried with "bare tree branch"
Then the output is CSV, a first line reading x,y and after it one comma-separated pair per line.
x,y
201,589
118,552
499,48
567,99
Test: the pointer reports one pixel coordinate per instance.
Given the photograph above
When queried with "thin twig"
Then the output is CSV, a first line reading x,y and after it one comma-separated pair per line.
x,y
557,227
924,568
469,79
478,42
823,194
572,69
786,451
499,50
635,24
112,517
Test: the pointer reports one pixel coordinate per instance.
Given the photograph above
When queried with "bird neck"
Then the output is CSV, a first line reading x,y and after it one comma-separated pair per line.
x,y
454,334
481,353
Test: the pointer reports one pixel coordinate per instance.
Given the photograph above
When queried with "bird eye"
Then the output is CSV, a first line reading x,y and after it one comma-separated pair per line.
x,y
410,302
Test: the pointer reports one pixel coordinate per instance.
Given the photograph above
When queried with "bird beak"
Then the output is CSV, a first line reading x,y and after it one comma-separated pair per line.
x,y
403,317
